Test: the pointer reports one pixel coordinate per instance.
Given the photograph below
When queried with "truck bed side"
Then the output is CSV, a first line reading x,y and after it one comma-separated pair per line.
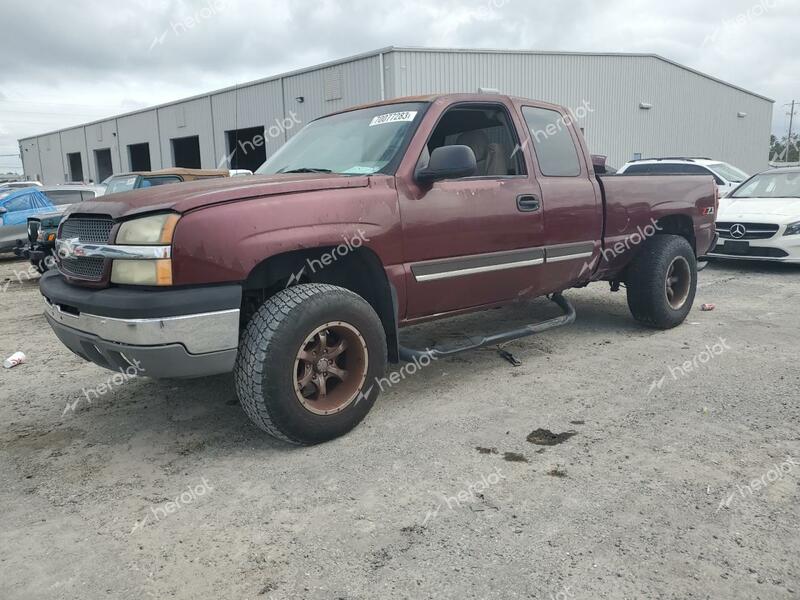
x,y
636,207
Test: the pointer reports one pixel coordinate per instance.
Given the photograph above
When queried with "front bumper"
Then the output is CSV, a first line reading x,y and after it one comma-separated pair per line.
x,y
779,248
162,333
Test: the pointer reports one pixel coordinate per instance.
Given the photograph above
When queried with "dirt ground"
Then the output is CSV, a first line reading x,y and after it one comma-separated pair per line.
x,y
615,462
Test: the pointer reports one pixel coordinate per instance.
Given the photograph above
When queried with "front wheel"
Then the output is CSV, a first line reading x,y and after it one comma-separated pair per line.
x,y
662,282
308,362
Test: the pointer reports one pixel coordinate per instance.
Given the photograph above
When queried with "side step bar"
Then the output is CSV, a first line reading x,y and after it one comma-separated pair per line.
x,y
408,354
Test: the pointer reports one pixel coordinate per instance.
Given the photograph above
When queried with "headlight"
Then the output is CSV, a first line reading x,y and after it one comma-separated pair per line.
x,y
142,272
793,229
148,231
157,230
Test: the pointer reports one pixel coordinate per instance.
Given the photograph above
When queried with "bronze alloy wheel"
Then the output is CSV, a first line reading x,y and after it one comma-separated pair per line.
x,y
330,368
679,282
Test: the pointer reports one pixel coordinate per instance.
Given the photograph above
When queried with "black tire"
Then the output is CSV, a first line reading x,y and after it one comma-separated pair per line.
x,y
266,367
646,282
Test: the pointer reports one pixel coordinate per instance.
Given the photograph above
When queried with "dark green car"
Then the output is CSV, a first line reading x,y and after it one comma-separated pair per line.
x,y
42,230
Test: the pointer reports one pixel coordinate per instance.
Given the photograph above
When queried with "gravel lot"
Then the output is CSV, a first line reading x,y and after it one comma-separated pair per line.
x,y
439,493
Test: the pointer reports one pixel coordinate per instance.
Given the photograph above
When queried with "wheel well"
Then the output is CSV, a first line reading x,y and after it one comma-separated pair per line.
x,y
681,225
358,270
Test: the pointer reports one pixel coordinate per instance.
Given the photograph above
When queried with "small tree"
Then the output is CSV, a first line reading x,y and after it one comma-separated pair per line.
x,y
778,151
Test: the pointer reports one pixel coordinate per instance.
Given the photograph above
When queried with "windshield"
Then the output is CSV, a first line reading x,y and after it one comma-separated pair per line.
x,y
771,185
359,142
121,184
728,172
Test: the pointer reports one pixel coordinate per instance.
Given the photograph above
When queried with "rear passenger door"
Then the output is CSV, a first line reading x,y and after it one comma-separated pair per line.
x,y
571,199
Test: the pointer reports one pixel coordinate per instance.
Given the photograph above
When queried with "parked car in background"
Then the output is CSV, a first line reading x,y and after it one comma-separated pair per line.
x,y
15,208
726,176
66,194
143,179
366,221
760,220
239,172
20,184
42,227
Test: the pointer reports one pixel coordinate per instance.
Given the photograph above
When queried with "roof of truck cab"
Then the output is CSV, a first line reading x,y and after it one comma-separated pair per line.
x,y
460,97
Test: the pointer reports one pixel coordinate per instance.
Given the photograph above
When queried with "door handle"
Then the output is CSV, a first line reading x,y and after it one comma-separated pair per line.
x,y
528,203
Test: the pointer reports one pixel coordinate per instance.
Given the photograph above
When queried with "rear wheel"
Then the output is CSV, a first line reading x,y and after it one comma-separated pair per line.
x,y
308,361
662,282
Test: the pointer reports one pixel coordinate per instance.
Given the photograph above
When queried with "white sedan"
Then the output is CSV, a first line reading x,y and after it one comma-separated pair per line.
x,y
760,220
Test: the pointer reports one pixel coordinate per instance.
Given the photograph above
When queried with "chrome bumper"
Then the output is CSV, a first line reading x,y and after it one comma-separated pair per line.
x,y
188,346
199,333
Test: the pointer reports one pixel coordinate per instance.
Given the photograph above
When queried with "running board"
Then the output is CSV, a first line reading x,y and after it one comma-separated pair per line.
x,y
408,354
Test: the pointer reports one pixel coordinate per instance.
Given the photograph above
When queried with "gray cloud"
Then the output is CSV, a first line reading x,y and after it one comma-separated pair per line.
x,y
93,58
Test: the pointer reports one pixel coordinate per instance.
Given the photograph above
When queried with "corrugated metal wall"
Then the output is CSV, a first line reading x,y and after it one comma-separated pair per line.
x,y
31,165
331,89
690,114
72,141
252,106
139,128
186,119
51,156
98,137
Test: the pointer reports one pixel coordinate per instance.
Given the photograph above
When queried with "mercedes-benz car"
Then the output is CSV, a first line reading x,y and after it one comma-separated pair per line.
x,y
760,220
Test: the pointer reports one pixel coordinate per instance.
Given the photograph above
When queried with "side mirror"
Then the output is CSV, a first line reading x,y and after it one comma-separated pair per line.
x,y
448,162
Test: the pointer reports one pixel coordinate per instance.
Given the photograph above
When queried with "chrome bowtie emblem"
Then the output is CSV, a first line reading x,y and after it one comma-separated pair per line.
x,y
738,231
68,248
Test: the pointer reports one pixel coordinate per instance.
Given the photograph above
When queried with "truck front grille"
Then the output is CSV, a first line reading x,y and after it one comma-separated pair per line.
x,y
83,268
88,230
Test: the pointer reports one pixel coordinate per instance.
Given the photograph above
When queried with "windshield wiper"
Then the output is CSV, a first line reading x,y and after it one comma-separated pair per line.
x,y
306,170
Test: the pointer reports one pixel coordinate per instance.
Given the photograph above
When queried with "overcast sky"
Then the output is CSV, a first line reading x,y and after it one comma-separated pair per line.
x,y
65,63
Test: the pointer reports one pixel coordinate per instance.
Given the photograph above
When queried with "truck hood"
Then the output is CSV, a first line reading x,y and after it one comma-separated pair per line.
x,y
184,197
759,210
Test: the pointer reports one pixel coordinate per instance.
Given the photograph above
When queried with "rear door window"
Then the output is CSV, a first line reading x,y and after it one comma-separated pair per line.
x,y
62,197
151,181
22,203
552,142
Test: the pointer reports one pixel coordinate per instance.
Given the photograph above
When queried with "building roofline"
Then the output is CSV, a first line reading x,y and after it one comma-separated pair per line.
x,y
568,53
387,50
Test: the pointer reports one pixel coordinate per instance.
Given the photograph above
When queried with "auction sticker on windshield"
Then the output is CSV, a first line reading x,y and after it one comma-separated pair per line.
x,y
395,117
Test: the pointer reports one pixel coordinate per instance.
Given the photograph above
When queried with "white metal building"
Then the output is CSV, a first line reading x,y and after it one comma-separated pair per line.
x,y
639,105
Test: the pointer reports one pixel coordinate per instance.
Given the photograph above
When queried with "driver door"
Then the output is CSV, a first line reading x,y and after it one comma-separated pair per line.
x,y
477,240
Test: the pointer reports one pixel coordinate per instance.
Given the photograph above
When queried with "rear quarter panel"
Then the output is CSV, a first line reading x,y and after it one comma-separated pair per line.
x,y
634,204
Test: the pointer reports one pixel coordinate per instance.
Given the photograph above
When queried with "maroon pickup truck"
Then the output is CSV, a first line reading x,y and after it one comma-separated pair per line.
x,y
298,279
